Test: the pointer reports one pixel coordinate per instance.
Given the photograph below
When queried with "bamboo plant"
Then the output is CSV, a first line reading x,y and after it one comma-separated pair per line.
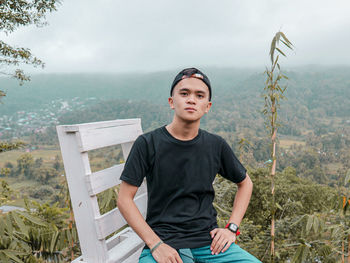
x,y
273,92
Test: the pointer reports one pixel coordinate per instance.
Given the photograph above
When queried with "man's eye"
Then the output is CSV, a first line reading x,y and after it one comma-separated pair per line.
x,y
200,96
183,93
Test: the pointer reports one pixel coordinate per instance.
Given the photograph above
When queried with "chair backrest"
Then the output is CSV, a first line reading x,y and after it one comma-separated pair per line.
x,y
84,185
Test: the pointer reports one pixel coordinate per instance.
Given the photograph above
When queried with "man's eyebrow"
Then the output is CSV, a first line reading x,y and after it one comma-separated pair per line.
x,y
184,89
187,89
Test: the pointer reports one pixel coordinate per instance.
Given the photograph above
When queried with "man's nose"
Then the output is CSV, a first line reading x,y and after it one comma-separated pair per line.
x,y
191,99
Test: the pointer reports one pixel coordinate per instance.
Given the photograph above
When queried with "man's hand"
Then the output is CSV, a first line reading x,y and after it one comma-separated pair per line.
x,y
222,240
166,254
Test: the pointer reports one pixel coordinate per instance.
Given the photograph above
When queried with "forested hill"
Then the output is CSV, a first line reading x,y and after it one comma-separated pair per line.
x,y
317,98
151,86
315,91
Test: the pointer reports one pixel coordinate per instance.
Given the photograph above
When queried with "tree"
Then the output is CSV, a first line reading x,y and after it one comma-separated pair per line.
x,y
57,163
25,165
13,15
44,174
273,93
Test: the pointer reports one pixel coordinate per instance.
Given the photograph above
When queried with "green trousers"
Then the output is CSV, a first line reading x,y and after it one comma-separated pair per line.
x,y
234,254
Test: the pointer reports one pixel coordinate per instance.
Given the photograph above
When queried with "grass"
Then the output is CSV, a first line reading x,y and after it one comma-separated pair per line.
x,y
21,188
334,167
287,143
47,154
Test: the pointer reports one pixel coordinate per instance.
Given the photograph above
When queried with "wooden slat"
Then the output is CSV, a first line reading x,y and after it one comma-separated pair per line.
x,y
104,179
127,250
113,220
79,260
98,125
102,137
118,237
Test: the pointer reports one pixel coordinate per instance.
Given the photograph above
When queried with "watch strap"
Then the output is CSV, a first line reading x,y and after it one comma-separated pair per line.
x,y
237,232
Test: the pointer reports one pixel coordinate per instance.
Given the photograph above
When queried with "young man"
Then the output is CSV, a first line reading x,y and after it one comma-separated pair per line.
x,y
180,162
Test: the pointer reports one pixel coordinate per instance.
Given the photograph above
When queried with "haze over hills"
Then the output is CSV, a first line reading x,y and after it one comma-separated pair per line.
x,y
151,86
313,94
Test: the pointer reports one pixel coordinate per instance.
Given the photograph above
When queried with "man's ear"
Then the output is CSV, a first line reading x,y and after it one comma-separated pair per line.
x,y
208,107
171,102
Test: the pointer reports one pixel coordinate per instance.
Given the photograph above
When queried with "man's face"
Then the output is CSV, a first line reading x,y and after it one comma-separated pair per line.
x,y
190,99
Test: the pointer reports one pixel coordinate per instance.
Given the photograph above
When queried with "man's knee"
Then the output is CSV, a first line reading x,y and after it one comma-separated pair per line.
x,y
240,253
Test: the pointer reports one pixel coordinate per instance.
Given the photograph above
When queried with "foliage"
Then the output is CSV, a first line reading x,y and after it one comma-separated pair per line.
x,y
41,231
16,14
25,165
297,200
5,192
8,146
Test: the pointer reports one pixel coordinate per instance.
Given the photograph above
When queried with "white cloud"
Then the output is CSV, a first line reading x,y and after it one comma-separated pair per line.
x,y
115,35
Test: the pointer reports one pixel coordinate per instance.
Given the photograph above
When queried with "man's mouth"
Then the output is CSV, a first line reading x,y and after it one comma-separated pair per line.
x,y
190,109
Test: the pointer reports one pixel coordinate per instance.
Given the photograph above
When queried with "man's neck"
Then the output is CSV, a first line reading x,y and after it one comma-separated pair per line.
x,y
183,130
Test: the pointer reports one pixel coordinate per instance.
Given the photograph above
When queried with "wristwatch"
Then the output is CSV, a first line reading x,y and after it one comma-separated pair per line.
x,y
233,228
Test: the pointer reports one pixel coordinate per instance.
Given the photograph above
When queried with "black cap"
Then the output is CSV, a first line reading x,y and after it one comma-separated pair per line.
x,y
191,73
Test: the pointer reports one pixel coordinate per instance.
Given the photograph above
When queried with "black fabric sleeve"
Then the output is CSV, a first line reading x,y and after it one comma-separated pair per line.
x,y
136,165
231,168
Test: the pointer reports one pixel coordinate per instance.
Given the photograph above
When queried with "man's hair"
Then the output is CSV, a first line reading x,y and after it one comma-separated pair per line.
x,y
191,73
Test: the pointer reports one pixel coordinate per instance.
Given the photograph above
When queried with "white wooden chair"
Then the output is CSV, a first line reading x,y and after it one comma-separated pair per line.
x,y
93,228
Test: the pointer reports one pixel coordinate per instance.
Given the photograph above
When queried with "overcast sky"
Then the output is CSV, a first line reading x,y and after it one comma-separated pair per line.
x,y
153,35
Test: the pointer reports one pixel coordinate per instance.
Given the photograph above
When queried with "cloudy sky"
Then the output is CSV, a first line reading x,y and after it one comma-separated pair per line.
x,y
153,35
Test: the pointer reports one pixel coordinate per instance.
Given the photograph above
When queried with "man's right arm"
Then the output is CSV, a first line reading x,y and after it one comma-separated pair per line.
x,y
132,215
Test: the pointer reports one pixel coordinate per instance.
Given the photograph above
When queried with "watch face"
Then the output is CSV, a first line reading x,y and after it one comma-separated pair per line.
x,y
233,227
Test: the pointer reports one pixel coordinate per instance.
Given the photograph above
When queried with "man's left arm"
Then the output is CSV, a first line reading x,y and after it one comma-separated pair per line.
x,y
222,237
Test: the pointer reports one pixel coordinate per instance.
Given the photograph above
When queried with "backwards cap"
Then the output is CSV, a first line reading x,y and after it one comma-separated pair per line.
x,y
191,73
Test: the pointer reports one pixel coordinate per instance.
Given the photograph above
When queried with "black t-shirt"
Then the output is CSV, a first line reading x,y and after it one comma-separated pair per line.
x,y
179,178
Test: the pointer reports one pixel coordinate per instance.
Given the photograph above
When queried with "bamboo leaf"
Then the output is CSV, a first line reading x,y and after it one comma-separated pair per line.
x,y
23,228
286,39
272,49
3,258
2,227
278,35
297,254
280,51
298,221
277,254
278,206
11,255
53,241
304,253
286,44
347,178
316,224
9,226
309,224
34,219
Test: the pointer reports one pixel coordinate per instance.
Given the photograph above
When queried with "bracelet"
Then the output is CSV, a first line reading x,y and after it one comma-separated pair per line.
x,y
156,246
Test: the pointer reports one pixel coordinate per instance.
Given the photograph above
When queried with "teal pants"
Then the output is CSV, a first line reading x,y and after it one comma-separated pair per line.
x,y
234,254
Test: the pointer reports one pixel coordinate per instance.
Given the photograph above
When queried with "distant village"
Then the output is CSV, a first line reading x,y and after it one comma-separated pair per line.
x,y
23,123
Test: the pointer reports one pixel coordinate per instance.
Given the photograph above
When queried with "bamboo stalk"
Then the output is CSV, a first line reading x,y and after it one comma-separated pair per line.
x,y
271,103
